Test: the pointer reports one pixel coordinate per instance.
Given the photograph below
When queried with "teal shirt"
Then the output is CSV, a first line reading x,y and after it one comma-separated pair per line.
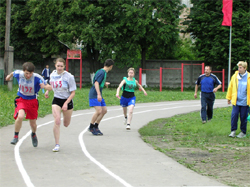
x,y
130,85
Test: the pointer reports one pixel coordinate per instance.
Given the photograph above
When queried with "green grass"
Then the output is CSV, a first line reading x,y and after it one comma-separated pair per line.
x,y
81,100
204,148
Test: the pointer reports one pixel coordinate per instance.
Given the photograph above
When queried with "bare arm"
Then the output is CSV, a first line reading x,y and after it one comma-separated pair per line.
x,y
195,91
119,88
65,105
8,77
216,89
97,88
140,86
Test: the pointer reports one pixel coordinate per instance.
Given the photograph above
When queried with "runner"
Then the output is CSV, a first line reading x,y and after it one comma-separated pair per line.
x,y
26,103
95,97
128,98
64,86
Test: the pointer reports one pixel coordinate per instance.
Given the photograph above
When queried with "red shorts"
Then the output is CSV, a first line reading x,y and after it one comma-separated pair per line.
x,y
29,106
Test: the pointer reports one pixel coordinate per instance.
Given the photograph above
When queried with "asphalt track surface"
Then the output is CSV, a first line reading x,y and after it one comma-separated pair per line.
x,y
118,158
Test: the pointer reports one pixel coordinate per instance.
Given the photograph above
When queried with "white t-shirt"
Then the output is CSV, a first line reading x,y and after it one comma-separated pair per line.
x,y
62,84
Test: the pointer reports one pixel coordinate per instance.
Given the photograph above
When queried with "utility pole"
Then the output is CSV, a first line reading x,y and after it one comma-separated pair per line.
x,y
7,39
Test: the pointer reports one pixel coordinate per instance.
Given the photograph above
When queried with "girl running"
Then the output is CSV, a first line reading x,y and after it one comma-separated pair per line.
x,y
128,85
64,86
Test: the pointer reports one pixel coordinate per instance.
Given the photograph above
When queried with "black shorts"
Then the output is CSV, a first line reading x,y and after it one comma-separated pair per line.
x,y
60,102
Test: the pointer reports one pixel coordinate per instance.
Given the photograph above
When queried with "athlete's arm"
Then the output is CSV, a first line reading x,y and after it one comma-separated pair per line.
x,y
65,105
97,88
119,88
8,77
140,86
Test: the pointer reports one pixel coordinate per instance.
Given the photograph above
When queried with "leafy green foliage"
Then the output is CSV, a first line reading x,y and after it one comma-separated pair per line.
x,y
212,39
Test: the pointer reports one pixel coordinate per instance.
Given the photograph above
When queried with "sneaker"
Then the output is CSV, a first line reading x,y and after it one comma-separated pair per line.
x,y
14,141
232,134
128,127
93,131
241,135
57,148
125,121
98,131
34,140
204,122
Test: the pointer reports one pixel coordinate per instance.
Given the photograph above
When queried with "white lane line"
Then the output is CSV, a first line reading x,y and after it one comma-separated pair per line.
x,y
18,159
26,177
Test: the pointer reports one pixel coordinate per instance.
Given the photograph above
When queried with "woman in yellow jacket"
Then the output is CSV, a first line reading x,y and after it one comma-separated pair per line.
x,y
238,94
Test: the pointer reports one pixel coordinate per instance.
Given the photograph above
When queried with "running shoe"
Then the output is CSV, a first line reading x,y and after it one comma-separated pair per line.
x,y
232,134
14,141
34,140
93,131
57,148
241,135
98,131
128,127
125,121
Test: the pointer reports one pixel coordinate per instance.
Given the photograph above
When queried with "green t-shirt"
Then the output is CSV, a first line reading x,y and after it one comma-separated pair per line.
x,y
130,85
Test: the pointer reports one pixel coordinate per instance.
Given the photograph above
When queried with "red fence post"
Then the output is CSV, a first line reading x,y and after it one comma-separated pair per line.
x,y
140,75
160,79
182,75
80,71
67,65
202,68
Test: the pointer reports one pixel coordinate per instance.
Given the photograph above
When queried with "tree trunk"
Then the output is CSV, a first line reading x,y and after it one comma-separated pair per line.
x,y
143,58
93,56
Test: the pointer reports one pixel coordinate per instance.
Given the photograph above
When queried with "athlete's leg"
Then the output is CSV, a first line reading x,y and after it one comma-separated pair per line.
x,y
67,117
19,120
98,111
56,110
33,125
124,111
101,114
130,113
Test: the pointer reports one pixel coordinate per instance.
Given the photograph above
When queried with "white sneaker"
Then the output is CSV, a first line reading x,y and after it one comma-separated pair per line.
x,y
125,121
57,148
232,134
128,127
241,135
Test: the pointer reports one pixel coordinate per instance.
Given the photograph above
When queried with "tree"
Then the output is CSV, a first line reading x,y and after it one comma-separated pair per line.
x,y
212,39
151,25
124,30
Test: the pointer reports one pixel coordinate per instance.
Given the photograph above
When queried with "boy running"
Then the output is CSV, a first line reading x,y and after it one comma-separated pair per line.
x,y
95,96
26,102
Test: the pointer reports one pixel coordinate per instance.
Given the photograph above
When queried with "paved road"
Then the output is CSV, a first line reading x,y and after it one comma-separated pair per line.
x,y
119,158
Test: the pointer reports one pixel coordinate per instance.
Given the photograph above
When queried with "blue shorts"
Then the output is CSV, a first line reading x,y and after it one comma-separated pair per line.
x,y
124,102
95,102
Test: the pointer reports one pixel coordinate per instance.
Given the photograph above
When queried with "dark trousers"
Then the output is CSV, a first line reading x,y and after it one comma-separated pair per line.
x,y
207,103
243,111
47,79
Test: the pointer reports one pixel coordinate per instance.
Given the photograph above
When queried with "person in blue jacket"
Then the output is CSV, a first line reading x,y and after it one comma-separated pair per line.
x,y
46,73
207,81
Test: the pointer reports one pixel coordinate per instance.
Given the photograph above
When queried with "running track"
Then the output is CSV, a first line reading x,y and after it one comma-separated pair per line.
x,y
119,158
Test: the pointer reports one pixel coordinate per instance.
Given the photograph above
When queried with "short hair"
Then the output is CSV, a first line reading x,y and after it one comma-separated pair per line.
x,y
133,69
29,66
209,67
60,60
242,63
109,62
